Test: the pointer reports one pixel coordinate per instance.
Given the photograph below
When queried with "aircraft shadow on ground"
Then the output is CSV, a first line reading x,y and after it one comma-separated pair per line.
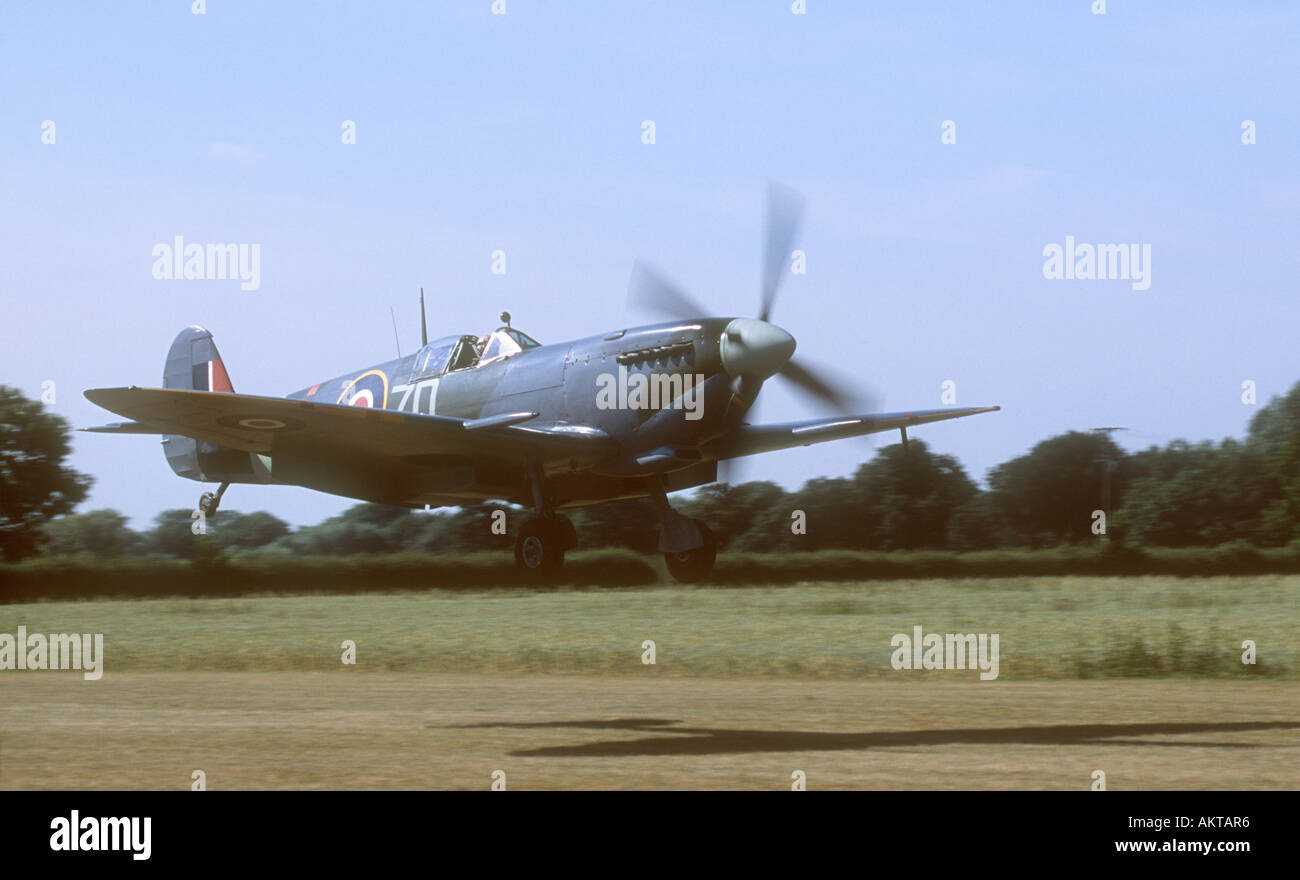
x,y
673,740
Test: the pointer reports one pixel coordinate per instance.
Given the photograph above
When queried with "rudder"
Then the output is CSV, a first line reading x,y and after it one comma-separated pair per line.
x,y
194,364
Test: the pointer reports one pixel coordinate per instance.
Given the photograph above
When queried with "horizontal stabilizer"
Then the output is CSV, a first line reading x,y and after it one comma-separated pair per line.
x,y
124,428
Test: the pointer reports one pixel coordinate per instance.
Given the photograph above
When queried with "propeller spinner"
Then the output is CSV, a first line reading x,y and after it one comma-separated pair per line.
x,y
755,349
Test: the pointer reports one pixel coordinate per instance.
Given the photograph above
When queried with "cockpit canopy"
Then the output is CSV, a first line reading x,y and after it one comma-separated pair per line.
x,y
434,357
452,353
505,341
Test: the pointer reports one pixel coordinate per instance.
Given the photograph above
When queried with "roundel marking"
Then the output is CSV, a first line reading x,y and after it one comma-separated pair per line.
x,y
259,423
368,389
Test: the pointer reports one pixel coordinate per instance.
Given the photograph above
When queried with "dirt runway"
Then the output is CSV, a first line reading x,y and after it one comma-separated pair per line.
x,y
354,730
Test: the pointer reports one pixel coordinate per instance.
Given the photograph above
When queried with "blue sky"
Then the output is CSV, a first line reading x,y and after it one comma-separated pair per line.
x,y
522,132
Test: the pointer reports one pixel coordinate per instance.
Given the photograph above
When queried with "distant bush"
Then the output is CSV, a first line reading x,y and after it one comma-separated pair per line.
x,y
217,575
1236,558
214,573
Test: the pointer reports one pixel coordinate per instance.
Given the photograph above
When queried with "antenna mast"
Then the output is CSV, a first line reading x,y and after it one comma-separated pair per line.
x,y
424,325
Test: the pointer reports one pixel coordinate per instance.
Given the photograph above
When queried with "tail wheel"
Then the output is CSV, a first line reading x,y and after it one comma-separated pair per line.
x,y
693,566
539,547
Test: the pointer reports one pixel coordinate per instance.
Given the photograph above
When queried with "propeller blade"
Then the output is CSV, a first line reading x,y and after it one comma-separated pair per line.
x,y
843,398
650,290
784,213
732,471
854,401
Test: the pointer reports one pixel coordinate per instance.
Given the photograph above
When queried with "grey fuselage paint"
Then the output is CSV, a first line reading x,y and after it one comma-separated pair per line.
x,y
563,384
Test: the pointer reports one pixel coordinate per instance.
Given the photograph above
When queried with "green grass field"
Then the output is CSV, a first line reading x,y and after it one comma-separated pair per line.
x,y
750,684
1049,628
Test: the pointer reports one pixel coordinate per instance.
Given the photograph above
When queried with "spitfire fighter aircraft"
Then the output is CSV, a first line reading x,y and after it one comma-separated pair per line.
x,y
635,412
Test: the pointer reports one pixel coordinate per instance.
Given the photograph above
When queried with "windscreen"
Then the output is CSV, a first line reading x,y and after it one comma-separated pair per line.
x,y
432,359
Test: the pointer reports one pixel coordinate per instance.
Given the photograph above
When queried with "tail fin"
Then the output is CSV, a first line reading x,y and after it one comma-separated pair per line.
x,y
194,364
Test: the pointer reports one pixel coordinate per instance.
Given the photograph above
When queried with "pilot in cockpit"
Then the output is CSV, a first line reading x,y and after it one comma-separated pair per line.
x,y
471,351
466,355
503,342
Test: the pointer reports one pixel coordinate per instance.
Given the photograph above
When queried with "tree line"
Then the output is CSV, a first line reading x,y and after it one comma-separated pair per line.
x,y
903,498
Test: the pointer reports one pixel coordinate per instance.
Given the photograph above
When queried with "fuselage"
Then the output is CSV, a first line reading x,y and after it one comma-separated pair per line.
x,y
616,415
654,387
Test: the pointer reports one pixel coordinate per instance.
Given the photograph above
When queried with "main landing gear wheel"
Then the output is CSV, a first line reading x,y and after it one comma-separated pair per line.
x,y
693,566
568,534
540,545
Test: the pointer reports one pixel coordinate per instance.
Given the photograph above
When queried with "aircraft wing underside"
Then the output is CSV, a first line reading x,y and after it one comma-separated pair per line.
x,y
753,439
405,458
271,425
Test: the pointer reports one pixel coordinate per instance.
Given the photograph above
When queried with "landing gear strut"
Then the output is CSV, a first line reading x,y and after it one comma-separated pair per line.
x,y
693,566
542,540
688,545
209,502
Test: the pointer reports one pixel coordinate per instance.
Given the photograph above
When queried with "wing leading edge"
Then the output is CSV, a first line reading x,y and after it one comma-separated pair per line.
x,y
753,439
